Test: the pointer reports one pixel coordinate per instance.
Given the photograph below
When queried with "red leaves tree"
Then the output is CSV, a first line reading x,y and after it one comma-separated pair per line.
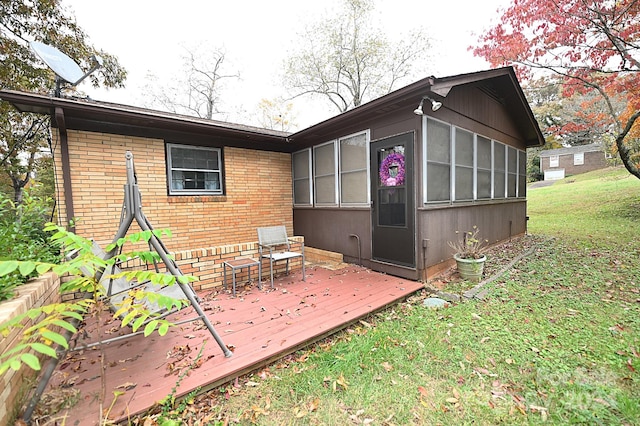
x,y
594,45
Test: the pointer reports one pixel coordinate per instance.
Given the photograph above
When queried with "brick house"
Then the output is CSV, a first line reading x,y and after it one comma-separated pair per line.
x,y
385,184
573,160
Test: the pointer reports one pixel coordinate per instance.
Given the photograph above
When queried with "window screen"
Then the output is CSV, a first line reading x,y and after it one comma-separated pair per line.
x,y
353,170
302,177
438,161
324,158
499,172
464,164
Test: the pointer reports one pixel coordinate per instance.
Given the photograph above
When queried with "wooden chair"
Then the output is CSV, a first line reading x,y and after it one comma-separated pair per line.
x,y
274,244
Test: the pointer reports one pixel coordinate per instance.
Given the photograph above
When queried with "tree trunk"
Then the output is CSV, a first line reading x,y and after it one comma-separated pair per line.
x,y
624,151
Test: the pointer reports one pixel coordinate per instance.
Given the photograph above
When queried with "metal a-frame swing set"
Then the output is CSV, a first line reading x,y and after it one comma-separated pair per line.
x,y
118,288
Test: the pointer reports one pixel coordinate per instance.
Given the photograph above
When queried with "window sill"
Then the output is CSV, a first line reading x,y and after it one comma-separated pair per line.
x,y
189,199
458,204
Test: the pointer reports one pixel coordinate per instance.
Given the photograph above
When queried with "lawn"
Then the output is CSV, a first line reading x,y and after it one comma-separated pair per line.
x,y
557,340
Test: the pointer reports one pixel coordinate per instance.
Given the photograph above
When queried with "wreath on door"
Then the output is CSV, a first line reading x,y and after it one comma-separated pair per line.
x,y
392,170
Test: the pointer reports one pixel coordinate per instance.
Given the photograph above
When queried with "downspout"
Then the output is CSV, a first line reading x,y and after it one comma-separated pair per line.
x,y
66,168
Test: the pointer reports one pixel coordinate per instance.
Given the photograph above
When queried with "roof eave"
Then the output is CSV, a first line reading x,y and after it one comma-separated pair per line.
x,y
41,104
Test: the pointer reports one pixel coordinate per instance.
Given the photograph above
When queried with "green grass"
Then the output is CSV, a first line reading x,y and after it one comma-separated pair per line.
x,y
556,342
601,208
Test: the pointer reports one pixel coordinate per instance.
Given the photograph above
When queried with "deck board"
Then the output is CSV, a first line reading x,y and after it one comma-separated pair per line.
x,y
262,325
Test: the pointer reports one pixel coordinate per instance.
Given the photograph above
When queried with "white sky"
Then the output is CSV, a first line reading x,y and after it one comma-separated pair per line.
x,y
257,36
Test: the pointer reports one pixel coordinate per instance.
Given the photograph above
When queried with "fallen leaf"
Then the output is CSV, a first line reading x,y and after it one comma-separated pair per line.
x,y
423,391
451,400
313,405
630,365
387,367
127,386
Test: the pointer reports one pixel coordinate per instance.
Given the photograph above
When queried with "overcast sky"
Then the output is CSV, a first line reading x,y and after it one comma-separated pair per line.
x,y
147,37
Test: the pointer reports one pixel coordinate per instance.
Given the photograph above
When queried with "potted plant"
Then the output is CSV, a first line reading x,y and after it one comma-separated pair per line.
x,y
470,254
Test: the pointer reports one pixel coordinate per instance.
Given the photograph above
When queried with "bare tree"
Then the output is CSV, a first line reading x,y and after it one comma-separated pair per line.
x,y
349,61
276,114
196,91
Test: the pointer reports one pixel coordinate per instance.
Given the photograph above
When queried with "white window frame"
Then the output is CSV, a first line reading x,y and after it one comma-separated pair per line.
x,y
522,173
309,178
426,159
578,159
336,193
499,145
494,145
512,173
367,169
170,169
477,167
554,161
455,165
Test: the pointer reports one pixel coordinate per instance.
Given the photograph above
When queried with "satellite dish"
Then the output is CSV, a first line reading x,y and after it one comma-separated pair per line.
x,y
65,68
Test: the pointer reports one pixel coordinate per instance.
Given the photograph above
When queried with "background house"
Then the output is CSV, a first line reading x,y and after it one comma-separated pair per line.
x,y
378,184
573,160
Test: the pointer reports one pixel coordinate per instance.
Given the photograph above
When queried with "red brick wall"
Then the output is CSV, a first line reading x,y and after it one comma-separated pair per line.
x,y
257,192
207,264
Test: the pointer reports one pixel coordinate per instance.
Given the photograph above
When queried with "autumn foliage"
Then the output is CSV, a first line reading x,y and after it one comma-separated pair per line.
x,y
592,45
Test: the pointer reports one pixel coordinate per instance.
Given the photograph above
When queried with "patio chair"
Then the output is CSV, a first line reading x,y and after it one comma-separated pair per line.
x,y
274,244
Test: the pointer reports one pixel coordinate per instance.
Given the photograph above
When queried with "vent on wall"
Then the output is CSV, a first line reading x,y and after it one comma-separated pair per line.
x,y
492,93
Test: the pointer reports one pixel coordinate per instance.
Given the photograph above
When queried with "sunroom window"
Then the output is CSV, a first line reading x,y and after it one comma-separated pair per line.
x,y
499,170
522,174
354,176
302,177
325,172
484,168
512,172
194,170
463,166
438,161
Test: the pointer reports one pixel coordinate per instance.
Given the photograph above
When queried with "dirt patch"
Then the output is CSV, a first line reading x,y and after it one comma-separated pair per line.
x,y
498,256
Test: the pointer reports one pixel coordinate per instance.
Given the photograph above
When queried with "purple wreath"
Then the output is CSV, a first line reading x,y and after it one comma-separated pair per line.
x,y
392,160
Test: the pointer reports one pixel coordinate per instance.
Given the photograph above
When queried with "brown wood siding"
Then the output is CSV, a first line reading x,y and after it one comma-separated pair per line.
x,y
467,107
496,222
330,229
472,109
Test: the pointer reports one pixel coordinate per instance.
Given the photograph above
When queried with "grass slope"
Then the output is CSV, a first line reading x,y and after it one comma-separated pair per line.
x,y
556,342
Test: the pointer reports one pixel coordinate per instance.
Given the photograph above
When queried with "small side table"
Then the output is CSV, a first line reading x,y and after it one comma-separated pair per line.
x,y
238,264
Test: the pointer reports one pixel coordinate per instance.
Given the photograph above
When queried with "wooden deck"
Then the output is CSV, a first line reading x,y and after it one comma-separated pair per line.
x,y
261,326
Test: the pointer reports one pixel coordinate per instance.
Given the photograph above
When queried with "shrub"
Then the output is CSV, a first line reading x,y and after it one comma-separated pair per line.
x,y
22,237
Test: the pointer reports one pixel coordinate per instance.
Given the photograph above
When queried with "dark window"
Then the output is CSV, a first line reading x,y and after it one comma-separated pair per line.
x,y
194,170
